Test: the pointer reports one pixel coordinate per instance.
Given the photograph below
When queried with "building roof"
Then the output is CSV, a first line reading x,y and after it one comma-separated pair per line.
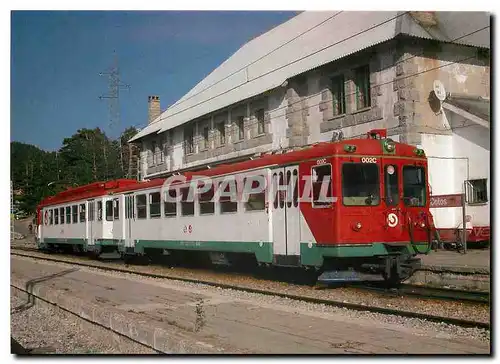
x,y
307,41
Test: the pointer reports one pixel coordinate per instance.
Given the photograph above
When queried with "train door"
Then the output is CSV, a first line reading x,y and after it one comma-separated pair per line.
x,y
285,215
390,175
107,222
91,222
118,219
129,219
277,208
292,216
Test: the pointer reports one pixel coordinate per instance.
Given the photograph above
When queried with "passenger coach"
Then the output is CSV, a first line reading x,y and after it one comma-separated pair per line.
x,y
376,222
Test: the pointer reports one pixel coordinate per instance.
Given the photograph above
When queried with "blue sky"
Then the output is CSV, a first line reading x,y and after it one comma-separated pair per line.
x,y
56,58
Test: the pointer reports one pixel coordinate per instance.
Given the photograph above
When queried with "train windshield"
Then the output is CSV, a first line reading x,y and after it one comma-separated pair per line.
x,y
414,191
360,184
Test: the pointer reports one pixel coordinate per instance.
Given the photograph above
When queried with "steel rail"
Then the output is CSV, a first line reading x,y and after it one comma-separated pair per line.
x,y
478,297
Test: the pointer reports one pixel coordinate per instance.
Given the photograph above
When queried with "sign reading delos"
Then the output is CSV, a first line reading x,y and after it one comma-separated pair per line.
x,y
446,201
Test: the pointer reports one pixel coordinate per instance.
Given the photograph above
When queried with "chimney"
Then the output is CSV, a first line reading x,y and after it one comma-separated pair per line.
x,y
153,108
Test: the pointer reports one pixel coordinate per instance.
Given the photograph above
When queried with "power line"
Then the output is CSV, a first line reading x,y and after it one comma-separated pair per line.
x,y
383,83
258,59
307,97
376,85
316,94
276,69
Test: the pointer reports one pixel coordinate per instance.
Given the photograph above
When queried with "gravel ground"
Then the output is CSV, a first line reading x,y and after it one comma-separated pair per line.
x,y
63,333
416,325
23,243
452,309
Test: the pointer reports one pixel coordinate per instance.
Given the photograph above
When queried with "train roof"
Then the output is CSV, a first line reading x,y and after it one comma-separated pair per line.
x,y
94,189
369,146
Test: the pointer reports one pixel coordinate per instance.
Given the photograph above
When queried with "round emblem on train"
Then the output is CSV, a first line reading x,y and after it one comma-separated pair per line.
x,y
392,219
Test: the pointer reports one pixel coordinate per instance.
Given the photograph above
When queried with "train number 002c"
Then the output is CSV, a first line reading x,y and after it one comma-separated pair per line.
x,y
368,160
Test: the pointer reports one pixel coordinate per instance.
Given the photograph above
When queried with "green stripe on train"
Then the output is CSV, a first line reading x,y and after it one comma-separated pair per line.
x,y
310,254
80,241
313,254
71,241
263,250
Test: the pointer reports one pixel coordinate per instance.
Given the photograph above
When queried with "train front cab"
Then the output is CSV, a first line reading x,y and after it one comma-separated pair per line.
x,y
382,220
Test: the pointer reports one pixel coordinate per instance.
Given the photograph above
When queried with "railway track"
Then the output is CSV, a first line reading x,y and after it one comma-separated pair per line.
x,y
439,293
329,302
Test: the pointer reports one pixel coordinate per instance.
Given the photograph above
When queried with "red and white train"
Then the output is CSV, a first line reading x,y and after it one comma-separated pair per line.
x,y
378,224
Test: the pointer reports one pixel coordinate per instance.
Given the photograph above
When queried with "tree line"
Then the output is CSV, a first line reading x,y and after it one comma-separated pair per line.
x,y
85,157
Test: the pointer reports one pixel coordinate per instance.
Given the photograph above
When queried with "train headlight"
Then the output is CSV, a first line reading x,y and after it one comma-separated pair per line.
x,y
419,152
357,226
389,145
422,225
349,148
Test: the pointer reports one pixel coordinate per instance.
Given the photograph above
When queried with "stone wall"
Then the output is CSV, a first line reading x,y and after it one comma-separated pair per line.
x,y
461,69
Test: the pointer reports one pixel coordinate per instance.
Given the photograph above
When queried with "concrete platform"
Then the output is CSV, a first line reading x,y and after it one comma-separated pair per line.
x,y
447,268
188,319
474,261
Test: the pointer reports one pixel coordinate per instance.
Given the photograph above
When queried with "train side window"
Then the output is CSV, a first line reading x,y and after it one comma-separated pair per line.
x,y
127,207
170,206
91,211
61,212
276,194
56,216
99,210
82,212
154,205
68,214
295,188
226,204
321,175
289,182
51,214
206,201
141,206
187,203
74,211
109,210
281,191
391,185
116,209
256,201
360,184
